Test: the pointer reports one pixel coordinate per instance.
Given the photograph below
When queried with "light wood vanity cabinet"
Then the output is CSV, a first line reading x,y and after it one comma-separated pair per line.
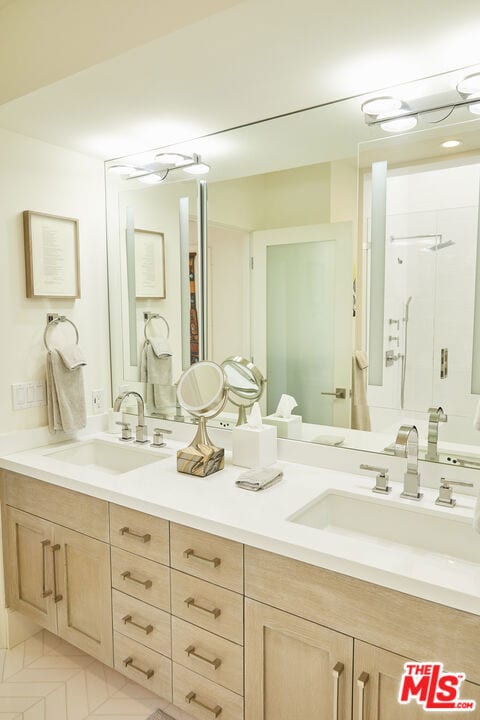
x,y
60,578
295,668
315,645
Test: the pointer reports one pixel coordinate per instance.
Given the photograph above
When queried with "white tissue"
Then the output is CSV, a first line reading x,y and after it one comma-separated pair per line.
x,y
255,417
285,406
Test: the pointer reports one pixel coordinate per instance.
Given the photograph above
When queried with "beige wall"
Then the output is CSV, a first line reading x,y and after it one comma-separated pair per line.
x,y
300,196
45,178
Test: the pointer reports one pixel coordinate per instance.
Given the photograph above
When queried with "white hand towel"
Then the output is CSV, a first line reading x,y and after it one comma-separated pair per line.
x,y
72,356
156,371
65,395
161,347
360,410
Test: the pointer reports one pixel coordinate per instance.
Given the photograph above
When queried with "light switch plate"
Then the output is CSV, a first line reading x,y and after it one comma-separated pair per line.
x,y
28,395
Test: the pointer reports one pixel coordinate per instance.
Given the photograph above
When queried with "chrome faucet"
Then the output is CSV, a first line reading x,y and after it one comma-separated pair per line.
x,y
406,445
141,429
435,415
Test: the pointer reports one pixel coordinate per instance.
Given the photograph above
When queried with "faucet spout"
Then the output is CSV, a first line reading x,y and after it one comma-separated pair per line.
x,y
141,430
406,445
435,415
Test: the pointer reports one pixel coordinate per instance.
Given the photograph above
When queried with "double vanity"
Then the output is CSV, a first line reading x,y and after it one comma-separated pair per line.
x,y
301,601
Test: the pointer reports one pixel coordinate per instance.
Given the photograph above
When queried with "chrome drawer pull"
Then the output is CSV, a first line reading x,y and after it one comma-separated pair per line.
x,y
190,602
192,698
190,553
361,682
56,596
190,650
45,593
128,662
147,629
336,672
144,538
127,575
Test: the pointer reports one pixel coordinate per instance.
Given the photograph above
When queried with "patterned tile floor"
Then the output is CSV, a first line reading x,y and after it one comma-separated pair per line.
x,y
45,678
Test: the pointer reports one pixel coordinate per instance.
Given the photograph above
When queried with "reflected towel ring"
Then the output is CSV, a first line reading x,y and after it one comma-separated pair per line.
x,y
55,321
155,316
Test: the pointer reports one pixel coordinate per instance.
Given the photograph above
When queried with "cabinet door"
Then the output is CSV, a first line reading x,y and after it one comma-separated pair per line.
x,y
377,675
29,565
83,581
295,668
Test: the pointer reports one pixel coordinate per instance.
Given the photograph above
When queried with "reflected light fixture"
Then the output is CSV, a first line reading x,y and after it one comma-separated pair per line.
x,y
400,124
153,173
385,105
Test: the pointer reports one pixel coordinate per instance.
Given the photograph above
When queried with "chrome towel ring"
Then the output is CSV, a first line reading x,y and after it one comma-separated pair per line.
x,y
154,316
55,321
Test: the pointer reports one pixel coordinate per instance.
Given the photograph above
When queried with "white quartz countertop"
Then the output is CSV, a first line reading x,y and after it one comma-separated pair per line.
x,y
214,504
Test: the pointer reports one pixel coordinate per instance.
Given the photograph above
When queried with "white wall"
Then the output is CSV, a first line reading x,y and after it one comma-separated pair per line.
x,y
46,178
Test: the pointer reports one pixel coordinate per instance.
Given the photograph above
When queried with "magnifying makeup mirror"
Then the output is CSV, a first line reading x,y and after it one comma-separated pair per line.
x,y
245,384
202,392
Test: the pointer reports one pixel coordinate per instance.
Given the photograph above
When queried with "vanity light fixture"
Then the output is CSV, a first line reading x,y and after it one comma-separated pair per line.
x,y
173,159
121,169
400,124
151,179
474,108
197,168
380,106
469,86
153,173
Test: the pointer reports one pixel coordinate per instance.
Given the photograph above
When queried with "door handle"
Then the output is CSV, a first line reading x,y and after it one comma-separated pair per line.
x,y
339,394
56,596
45,592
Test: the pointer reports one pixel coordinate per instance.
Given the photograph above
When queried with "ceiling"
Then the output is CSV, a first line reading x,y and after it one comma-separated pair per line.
x,y
247,60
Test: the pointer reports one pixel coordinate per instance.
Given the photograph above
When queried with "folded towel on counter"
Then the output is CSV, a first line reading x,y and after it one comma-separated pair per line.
x,y
156,372
66,405
259,478
72,356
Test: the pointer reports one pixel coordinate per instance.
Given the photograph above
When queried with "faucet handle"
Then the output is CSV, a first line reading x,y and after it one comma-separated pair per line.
x,y
381,479
445,492
158,434
126,430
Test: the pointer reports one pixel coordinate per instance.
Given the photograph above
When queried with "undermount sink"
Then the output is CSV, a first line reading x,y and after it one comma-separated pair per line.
x,y
390,523
106,457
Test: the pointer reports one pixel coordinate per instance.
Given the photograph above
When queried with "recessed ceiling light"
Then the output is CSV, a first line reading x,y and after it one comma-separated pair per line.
x,y
451,143
400,124
475,108
470,85
382,106
197,169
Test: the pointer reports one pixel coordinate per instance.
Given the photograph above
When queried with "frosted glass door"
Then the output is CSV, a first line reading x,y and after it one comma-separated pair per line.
x,y
304,276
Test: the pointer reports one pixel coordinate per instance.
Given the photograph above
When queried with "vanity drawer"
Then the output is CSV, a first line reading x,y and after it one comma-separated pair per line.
x,y
207,654
202,698
207,556
144,666
209,606
141,622
139,533
143,579
71,509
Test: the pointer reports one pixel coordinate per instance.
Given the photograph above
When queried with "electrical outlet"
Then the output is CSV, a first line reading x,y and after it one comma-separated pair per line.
x,y
97,401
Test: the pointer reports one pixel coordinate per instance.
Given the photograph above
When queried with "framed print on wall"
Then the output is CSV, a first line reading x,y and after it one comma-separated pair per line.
x,y
52,265
150,264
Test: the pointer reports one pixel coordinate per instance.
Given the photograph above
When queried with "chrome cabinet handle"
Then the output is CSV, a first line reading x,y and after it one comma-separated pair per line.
x,y
190,602
144,538
127,575
361,682
190,553
192,698
147,629
128,662
56,596
336,672
191,650
45,593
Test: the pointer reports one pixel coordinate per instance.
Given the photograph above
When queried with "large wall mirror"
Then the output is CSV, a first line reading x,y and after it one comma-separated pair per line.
x,y
323,249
